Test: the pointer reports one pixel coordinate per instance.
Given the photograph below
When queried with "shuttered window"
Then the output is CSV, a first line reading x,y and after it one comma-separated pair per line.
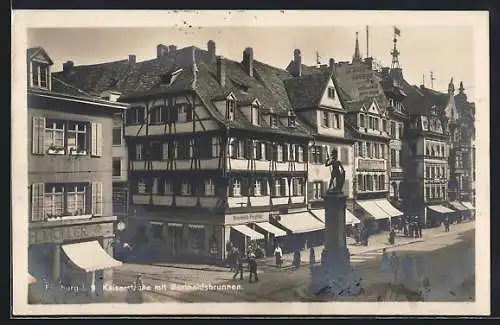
x,y
96,140
97,202
38,135
344,156
37,198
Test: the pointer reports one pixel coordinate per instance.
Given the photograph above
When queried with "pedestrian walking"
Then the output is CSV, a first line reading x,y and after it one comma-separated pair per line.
x,y
385,266
296,257
278,255
408,269
239,266
252,266
392,236
420,226
395,267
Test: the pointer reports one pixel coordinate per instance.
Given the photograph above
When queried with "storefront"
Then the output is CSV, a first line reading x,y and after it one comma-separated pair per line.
x,y
273,233
470,207
303,230
436,214
461,212
240,231
373,216
74,254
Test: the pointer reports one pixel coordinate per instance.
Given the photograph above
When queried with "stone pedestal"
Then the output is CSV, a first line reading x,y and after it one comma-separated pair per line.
x,y
334,276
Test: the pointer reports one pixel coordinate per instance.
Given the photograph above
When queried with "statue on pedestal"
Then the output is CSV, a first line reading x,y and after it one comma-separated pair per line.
x,y
337,178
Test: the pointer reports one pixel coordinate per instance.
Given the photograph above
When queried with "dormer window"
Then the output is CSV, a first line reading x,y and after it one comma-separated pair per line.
x,y
230,109
39,75
255,113
273,121
331,92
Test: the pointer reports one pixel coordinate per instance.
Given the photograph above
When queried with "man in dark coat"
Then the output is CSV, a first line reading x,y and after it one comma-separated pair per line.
x,y
238,265
252,266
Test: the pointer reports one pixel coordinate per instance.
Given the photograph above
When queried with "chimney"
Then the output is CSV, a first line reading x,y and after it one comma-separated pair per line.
x,y
161,50
297,63
172,48
221,71
131,61
68,66
248,60
211,50
331,64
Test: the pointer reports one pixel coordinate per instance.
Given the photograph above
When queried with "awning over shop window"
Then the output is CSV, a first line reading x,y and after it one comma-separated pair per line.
x,y
440,209
457,206
350,219
371,207
468,205
388,208
90,256
301,222
249,232
277,232
31,279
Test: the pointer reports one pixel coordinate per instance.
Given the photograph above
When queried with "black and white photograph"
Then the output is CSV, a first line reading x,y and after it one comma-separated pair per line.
x,y
267,161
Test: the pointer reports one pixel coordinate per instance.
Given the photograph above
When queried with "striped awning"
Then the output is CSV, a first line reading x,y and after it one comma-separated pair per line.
x,y
440,209
457,206
90,256
388,208
277,232
247,231
468,205
300,222
371,207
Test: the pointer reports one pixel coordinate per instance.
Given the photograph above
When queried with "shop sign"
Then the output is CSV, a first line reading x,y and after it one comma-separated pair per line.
x,y
61,234
246,217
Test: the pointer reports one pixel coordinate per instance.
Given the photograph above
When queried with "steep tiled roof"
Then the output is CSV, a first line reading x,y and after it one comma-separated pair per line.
x,y
148,78
306,91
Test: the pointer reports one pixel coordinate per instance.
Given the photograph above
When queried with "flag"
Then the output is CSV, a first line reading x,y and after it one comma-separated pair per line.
x,y
397,31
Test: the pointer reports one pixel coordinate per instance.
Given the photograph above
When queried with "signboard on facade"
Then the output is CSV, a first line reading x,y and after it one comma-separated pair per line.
x,y
246,217
368,164
69,233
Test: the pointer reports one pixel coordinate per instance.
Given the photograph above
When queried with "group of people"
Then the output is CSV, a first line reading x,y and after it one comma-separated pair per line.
x,y
413,229
237,261
361,235
407,269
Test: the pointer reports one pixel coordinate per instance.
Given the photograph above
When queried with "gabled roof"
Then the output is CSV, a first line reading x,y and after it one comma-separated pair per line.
x,y
306,91
34,51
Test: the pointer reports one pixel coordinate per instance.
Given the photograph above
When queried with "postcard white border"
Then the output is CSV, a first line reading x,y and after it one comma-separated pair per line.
x,y
24,19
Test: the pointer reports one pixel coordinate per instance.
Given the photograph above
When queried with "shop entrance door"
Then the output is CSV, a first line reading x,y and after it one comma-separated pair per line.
x,y
175,239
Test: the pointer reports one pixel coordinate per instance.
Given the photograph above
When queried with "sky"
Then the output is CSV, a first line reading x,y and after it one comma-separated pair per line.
x,y
447,51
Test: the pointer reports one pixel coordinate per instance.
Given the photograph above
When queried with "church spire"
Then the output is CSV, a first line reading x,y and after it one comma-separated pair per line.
x,y
451,87
461,88
395,53
357,55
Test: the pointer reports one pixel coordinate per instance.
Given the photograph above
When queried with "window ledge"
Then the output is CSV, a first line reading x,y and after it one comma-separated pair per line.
x,y
55,152
78,153
79,217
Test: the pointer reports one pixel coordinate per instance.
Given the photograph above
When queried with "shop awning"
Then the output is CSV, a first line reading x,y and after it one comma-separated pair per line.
x,y
300,222
468,205
249,232
457,206
277,232
90,256
371,207
350,219
388,208
31,279
440,209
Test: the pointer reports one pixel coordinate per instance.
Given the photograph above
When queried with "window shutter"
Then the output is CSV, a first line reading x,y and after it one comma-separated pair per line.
x,y
269,151
258,150
263,186
97,199
155,185
37,198
310,190
38,135
96,147
324,154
